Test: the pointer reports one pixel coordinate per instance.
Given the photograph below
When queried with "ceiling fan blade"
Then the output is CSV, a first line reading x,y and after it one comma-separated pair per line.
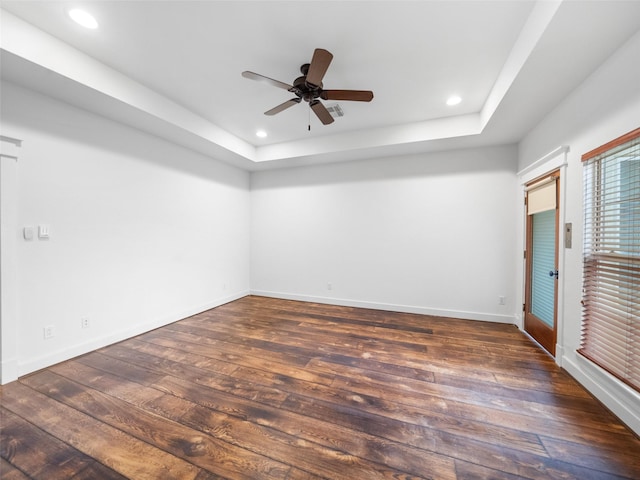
x,y
351,95
318,67
283,106
321,112
262,78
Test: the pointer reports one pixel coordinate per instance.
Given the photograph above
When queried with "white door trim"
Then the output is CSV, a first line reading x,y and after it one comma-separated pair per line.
x,y
8,258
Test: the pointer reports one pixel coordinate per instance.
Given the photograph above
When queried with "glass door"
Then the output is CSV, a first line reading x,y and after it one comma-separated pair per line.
x,y
542,274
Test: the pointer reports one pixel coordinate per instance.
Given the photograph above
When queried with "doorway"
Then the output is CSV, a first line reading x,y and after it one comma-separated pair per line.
x,y
541,280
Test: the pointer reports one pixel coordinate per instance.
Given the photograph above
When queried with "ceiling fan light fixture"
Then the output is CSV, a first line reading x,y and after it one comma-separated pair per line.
x,y
335,110
83,18
261,134
453,100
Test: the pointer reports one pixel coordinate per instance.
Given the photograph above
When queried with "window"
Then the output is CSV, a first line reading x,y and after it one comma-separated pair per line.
x,y
611,276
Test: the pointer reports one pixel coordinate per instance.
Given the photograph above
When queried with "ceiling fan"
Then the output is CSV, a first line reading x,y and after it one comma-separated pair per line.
x,y
308,87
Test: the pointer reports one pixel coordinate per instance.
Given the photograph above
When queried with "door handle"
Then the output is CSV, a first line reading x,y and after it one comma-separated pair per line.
x,y
553,273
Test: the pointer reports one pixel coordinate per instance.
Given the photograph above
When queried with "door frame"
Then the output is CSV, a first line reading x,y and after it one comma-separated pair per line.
x,y
554,160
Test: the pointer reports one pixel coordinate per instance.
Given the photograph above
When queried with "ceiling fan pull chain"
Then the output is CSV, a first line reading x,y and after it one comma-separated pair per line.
x,y
309,126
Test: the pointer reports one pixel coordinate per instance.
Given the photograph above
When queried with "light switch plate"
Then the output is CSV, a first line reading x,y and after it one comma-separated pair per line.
x,y
27,233
568,230
43,231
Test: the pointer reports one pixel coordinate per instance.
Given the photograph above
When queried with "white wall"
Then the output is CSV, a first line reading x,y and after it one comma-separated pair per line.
x,y
143,232
604,107
429,234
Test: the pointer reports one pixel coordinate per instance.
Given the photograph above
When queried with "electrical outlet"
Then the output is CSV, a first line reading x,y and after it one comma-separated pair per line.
x,y
329,286
84,322
49,332
501,300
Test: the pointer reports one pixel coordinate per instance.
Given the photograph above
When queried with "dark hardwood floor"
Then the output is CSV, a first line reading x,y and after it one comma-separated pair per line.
x,y
272,389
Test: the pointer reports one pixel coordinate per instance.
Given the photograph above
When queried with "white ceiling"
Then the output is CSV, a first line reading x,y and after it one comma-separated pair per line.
x,y
172,68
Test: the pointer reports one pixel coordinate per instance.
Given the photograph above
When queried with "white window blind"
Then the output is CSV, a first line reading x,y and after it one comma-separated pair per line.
x,y
611,275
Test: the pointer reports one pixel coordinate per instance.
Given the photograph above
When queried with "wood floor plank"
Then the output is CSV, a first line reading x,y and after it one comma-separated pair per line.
x,y
296,427
449,404
437,327
256,345
398,336
9,472
258,413
564,384
507,460
114,385
269,388
113,448
39,454
177,437
471,471
625,461
312,429
554,403
296,347
256,391
438,399
449,386
306,455
300,343
232,361
94,471
183,442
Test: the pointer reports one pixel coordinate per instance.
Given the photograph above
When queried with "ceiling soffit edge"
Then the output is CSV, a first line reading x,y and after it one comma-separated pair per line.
x,y
193,131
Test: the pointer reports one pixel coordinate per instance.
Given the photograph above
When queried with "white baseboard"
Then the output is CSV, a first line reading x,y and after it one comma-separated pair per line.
x,y
559,354
486,317
8,370
67,353
615,395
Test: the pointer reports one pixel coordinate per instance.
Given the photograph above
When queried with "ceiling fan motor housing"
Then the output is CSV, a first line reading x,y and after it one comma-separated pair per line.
x,y
303,89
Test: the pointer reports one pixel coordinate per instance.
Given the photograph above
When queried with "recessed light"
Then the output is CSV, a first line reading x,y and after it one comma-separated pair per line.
x,y
84,18
453,100
261,134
